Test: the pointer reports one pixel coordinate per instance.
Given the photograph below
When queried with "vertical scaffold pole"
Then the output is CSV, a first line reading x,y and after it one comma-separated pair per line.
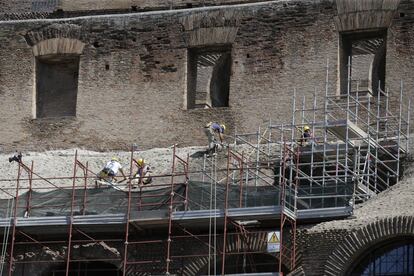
x,y
399,131
241,162
257,156
347,119
170,211
29,196
408,128
313,144
293,116
226,198
325,139
85,187
71,214
128,216
368,161
357,103
269,142
186,169
387,113
377,125
282,203
13,237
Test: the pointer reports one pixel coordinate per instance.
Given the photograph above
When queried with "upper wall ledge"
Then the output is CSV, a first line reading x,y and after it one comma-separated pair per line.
x,y
40,9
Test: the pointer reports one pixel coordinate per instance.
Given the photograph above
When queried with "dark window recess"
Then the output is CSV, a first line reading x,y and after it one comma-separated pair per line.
x,y
363,57
106,67
395,258
87,269
56,86
209,72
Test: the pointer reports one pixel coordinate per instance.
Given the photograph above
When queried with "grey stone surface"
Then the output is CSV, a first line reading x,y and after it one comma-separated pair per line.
x,y
132,77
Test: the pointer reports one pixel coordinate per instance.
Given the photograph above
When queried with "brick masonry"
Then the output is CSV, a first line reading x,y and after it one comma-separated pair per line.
x,y
334,252
132,79
332,248
39,260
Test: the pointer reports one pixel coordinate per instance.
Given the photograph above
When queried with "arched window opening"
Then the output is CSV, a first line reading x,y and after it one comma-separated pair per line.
x,y
392,258
86,269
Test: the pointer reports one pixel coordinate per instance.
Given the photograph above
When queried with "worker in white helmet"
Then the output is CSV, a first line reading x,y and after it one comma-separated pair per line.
x,y
111,169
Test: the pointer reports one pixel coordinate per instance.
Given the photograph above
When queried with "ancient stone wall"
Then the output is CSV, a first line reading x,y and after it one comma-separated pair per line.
x,y
133,71
25,6
335,251
18,6
150,256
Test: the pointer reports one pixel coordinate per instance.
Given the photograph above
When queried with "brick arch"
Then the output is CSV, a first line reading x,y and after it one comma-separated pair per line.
x,y
58,46
358,15
217,27
56,39
55,30
356,243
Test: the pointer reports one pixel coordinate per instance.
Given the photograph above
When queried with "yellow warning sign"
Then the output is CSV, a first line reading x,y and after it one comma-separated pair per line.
x,y
273,241
274,238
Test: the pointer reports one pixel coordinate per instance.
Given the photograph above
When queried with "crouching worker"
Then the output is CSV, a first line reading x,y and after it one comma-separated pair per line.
x,y
212,130
110,171
143,174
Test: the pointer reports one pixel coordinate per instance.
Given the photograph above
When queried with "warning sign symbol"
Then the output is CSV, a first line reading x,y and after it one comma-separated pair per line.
x,y
273,241
274,238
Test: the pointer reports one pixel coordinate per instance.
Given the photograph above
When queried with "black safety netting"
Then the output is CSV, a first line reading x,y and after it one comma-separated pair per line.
x,y
201,196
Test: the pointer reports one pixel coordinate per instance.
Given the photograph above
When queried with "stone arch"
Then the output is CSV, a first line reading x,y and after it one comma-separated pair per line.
x,y
360,15
255,243
212,28
56,49
56,39
55,30
58,46
356,243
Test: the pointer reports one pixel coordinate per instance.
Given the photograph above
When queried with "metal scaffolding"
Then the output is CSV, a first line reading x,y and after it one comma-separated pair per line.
x,y
216,220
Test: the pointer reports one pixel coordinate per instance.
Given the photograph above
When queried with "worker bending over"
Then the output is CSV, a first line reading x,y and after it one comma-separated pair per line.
x,y
143,172
111,169
212,131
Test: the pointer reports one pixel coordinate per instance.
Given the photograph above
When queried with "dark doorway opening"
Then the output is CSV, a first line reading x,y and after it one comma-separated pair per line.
x,y
209,72
363,56
240,263
56,86
87,269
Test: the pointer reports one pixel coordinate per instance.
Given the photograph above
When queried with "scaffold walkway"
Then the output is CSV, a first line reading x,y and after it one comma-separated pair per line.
x,y
264,182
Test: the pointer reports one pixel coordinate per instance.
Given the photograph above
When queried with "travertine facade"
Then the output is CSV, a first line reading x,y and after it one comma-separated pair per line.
x,y
135,67
132,85
133,70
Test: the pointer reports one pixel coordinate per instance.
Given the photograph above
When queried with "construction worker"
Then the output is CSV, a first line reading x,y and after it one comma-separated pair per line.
x,y
111,169
143,172
307,136
212,130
